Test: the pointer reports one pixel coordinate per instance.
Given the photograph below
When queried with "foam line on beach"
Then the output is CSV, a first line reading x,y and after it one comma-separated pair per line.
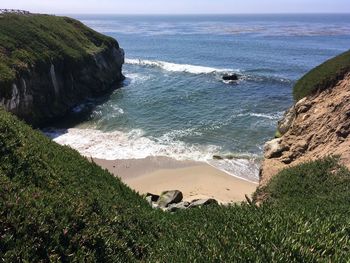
x,y
134,145
244,169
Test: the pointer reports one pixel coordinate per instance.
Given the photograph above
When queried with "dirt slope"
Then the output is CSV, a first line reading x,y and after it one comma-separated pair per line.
x,y
313,128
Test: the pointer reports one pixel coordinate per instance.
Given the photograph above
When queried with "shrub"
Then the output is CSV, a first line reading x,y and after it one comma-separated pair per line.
x,y
322,77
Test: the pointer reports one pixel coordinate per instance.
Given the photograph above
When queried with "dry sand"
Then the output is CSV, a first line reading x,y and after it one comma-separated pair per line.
x,y
194,179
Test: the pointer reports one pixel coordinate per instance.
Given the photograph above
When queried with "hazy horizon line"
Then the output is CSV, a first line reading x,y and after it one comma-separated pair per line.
x,y
185,13
194,14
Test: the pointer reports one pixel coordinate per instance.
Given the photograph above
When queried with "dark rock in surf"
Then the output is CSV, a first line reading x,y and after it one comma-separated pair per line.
x,y
230,77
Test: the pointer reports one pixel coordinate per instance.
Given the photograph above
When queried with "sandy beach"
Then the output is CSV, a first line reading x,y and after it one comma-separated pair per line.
x,y
195,179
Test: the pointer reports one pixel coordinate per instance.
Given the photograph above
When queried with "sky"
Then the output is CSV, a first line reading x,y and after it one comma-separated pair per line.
x,y
178,6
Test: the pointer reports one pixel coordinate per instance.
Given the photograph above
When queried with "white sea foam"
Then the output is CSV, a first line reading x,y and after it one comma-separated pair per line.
x,y
126,145
134,145
246,169
260,78
274,116
136,77
117,109
173,67
175,134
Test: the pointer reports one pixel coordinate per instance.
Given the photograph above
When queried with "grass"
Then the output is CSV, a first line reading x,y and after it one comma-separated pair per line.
x,y
322,77
38,40
57,206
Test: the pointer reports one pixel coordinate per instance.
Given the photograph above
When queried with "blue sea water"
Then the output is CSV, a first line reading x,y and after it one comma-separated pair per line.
x,y
174,102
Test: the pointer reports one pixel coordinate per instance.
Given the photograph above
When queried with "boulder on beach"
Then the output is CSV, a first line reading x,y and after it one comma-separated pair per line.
x,y
202,202
151,198
169,197
174,207
171,201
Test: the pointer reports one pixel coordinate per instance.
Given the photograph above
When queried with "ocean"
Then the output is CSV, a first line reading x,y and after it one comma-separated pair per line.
x,y
174,102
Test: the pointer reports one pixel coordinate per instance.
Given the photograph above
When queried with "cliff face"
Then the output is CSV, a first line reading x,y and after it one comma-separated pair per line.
x,y
49,90
54,66
317,126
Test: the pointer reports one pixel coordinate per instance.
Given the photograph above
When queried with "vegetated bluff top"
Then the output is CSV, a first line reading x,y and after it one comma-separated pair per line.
x,y
323,76
29,40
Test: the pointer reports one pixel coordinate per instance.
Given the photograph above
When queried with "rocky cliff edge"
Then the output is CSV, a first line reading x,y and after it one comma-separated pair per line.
x,y
49,64
316,126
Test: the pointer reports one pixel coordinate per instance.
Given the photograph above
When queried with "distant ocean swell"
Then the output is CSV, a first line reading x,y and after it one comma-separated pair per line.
x,y
229,28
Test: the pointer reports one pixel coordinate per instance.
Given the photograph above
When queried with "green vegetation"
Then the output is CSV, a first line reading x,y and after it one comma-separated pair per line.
x,y
56,205
35,40
278,134
322,77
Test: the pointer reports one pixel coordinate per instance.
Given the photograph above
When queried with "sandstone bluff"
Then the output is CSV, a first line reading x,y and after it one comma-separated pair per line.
x,y
315,127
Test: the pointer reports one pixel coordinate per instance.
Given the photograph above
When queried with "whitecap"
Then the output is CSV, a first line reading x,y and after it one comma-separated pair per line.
x,y
272,116
173,67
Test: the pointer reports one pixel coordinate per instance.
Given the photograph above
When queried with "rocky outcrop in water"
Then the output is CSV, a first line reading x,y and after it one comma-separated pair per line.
x,y
315,127
230,77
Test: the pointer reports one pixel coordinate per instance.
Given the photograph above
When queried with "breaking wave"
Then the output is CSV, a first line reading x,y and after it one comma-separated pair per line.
x,y
134,145
198,70
173,67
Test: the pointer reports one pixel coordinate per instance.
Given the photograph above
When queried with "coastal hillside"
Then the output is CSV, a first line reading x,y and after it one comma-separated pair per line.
x,y
323,77
48,64
55,205
318,125
58,206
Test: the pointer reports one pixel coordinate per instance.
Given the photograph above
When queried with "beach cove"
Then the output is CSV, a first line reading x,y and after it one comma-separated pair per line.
x,y
196,180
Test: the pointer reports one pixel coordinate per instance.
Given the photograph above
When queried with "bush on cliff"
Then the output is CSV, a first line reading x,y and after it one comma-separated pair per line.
x,y
322,183
323,77
56,205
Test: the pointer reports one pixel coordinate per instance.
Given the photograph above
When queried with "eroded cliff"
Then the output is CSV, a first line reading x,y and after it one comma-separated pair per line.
x,y
316,126
48,64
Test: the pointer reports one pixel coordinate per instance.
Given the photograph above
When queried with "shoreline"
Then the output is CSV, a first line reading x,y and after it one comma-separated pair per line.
x,y
231,174
196,180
